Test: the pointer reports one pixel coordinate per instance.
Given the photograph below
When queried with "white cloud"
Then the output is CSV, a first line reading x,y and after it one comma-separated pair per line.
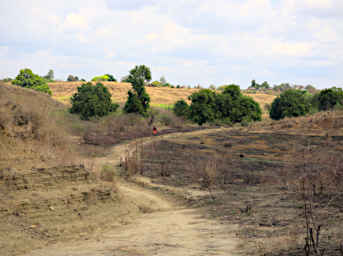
x,y
3,51
75,21
194,41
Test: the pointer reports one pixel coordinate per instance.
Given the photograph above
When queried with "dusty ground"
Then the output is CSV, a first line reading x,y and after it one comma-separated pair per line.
x,y
166,228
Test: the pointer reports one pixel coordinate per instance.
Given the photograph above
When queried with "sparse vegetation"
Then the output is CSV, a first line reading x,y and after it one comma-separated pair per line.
x,y
273,178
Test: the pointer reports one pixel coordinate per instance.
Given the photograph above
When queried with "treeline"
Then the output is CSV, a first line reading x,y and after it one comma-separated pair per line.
x,y
293,103
281,87
228,106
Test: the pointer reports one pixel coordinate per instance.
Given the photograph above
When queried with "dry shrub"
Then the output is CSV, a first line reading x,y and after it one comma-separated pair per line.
x,y
165,117
209,175
115,129
107,173
131,164
318,178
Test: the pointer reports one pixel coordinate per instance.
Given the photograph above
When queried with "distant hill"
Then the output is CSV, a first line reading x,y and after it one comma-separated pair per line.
x,y
62,91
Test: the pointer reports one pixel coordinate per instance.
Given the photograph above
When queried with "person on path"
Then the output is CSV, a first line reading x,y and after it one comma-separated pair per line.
x,y
154,131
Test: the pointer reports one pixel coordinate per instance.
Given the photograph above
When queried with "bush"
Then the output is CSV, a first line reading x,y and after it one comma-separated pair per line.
x,y
230,106
202,108
92,101
26,78
330,98
72,78
106,77
291,103
247,109
181,108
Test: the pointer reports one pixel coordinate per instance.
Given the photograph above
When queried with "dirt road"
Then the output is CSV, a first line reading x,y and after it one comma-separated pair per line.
x,y
165,229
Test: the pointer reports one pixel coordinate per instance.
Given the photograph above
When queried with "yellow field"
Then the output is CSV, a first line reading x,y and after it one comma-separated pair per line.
x,y
62,91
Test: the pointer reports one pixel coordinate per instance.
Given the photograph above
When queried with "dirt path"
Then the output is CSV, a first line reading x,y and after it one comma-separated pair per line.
x,y
165,228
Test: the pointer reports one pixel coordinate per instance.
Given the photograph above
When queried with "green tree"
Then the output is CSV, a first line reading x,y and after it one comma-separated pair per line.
x,y
156,84
234,106
111,78
311,89
181,108
106,77
92,101
72,78
26,78
254,84
133,104
230,106
233,90
163,80
50,75
246,109
203,106
138,77
329,98
265,85
282,87
212,87
291,103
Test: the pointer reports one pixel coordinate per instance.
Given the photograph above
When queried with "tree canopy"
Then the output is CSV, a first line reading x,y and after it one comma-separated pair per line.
x,y
106,77
26,78
330,98
138,99
92,101
290,103
230,105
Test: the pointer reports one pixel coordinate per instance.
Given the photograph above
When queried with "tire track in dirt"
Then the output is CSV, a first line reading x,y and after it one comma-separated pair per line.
x,y
165,228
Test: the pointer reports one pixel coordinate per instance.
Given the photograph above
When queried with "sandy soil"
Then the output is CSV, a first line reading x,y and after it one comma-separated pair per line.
x,y
166,228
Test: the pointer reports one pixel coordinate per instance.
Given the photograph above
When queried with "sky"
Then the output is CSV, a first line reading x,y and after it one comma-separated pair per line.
x,y
189,42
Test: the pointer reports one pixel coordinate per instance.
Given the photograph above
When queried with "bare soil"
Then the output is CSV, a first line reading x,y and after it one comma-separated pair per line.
x,y
167,227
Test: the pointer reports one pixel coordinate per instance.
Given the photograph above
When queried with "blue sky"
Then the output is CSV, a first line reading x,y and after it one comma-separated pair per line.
x,y
189,42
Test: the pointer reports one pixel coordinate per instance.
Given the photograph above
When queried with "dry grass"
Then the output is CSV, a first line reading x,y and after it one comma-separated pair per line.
x,y
32,129
62,91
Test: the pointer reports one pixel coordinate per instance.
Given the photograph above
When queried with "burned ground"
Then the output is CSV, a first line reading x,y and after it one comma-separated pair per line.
x,y
257,180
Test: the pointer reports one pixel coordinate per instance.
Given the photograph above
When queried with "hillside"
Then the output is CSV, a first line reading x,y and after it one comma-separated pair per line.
x,y
48,191
242,187
62,91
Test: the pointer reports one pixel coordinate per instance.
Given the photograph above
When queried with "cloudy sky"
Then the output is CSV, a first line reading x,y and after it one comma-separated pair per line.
x,y
187,41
